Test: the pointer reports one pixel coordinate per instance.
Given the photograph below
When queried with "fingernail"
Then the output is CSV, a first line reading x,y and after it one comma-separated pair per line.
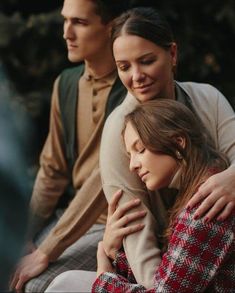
x,y
196,217
137,201
206,220
220,219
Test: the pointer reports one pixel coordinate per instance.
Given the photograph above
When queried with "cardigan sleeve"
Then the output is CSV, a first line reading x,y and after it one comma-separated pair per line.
x,y
226,127
141,248
196,252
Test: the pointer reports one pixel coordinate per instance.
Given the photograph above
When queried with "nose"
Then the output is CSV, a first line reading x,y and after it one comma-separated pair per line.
x,y
68,30
138,75
134,164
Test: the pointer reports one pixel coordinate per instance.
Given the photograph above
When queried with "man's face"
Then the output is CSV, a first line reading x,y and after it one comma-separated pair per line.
x,y
86,36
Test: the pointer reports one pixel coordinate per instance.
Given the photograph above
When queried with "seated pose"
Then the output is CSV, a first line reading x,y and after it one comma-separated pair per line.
x,y
168,147
146,57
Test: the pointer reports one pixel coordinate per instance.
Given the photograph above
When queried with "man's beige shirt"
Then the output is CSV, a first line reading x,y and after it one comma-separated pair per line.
x,y
89,203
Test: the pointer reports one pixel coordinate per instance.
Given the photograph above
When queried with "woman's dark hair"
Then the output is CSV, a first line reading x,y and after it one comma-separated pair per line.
x,y
146,23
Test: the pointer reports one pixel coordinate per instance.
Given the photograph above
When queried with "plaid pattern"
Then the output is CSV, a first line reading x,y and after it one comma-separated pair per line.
x,y
80,255
200,256
123,268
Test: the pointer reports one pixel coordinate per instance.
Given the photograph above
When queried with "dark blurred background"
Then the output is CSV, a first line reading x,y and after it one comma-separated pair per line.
x,y
33,53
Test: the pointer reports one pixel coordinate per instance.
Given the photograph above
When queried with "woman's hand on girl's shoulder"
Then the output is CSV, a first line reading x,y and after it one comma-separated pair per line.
x,y
217,195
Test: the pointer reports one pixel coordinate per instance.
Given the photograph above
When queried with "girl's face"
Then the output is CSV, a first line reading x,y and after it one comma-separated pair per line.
x,y
145,69
155,170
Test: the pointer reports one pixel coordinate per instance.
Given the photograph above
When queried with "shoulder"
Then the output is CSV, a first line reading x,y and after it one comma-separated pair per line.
x,y
65,79
186,222
112,135
115,120
73,70
195,90
207,100
202,92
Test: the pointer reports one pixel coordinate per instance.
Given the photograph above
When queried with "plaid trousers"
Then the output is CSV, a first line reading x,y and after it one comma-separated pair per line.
x,y
79,256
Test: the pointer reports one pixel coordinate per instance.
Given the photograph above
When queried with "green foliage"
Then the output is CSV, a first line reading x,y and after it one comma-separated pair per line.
x,y
205,32
32,47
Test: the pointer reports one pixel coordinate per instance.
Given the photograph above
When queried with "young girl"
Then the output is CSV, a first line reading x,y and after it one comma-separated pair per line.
x,y
168,147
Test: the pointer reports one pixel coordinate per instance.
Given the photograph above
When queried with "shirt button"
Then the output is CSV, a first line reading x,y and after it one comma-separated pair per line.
x,y
94,92
88,77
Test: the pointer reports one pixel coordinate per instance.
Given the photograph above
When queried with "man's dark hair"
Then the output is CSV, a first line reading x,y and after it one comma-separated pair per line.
x,y
110,9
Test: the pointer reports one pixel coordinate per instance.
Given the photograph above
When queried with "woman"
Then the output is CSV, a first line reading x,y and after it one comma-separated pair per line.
x,y
146,57
168,146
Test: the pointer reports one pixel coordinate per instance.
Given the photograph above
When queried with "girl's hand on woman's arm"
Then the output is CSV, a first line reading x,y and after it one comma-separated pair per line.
x,y
218,195
103,262
117,220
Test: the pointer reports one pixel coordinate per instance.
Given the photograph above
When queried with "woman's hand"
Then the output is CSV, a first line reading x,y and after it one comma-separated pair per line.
x,y
218,193
117,220
103,262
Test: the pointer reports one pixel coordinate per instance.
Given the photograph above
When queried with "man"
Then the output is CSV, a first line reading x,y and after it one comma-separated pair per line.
x,y
71,150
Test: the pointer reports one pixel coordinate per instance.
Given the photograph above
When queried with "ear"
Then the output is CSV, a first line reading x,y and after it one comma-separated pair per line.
x,y
174,53
181,141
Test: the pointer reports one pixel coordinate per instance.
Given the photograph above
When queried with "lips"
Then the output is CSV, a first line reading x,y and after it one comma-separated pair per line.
x,y
143,88
71,46
143,175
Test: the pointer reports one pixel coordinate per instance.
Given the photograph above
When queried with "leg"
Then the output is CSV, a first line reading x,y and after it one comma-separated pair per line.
x,y
73,281
80,255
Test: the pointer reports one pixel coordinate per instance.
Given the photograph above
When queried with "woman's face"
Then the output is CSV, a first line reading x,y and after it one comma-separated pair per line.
x,y
145,68
155,170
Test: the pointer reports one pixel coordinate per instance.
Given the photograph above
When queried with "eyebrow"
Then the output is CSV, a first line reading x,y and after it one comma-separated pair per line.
x,y
139,58
74,17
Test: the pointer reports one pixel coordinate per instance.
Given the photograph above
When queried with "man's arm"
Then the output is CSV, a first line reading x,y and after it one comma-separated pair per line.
x,y
83,211
141,248
50,183
52,177
87,205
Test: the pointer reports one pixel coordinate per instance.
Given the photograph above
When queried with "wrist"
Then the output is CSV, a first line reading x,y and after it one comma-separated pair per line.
x,y
111,253
41,255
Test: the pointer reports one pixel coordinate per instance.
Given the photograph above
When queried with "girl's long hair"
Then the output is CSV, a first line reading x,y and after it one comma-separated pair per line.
x,y
159,123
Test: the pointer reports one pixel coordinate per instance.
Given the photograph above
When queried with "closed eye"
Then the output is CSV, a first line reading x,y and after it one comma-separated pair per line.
x,y
148,61
122,66
141,151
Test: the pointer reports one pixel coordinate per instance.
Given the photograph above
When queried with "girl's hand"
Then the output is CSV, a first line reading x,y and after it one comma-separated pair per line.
x,y
117,220
103,262
218,193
